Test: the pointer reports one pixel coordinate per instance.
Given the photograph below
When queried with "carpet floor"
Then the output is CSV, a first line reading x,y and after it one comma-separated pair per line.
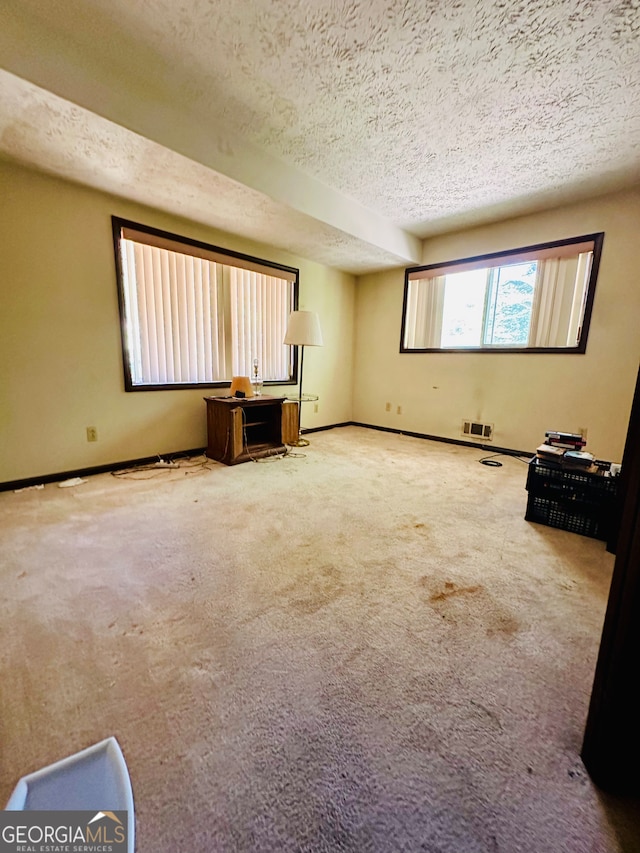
x,y
359,647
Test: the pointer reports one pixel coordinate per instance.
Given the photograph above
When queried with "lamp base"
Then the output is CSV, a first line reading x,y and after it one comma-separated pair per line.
x,y
299,442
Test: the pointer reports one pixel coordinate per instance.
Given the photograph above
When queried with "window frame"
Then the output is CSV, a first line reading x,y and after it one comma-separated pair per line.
x,y
248,261
478,261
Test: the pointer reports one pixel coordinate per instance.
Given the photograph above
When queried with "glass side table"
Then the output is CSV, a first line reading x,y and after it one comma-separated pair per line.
x,y
299,399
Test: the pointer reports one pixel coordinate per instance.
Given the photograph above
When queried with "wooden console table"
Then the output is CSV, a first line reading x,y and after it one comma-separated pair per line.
x,y
242,429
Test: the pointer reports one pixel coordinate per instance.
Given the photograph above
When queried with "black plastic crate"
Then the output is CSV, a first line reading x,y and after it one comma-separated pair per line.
x,y
560,483
585,518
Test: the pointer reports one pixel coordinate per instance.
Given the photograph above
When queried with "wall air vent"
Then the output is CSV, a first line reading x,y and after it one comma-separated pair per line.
x,y
474,429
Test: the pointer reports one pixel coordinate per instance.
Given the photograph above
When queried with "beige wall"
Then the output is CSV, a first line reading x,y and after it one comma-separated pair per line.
x,y
60,352
61,363
523,395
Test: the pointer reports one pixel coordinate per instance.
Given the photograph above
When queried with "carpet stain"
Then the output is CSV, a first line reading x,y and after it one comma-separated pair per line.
x,y
315,589
504,624
133,629
470,605
450,590
416,525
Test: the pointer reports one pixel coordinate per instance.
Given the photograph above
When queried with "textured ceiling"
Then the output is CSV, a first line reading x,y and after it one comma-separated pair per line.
x,y
342,131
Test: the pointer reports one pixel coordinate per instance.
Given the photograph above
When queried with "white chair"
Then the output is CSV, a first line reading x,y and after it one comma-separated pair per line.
x,y
96,778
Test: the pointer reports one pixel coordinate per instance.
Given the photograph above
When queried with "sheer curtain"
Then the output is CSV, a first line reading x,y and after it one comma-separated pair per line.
x,y
559,295
423,316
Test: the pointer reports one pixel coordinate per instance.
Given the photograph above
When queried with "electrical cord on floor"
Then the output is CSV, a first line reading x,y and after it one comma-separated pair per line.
x,y
488,460
178,462
492,462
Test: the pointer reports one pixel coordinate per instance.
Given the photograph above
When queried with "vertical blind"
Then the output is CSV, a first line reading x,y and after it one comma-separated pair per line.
x,y
193,319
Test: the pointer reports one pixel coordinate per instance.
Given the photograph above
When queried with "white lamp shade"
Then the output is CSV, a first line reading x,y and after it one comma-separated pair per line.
x,y
303,329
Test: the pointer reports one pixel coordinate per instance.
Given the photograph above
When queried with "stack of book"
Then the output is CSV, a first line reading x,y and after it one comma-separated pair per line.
x,y
565,447
565,440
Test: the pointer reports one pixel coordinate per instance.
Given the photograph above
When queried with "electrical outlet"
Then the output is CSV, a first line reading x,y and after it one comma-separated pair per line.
x,y
399,410
387,407
315,408
92,434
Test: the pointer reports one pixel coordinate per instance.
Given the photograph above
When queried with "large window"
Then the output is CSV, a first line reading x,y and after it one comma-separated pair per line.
x,y
193,314
536,299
